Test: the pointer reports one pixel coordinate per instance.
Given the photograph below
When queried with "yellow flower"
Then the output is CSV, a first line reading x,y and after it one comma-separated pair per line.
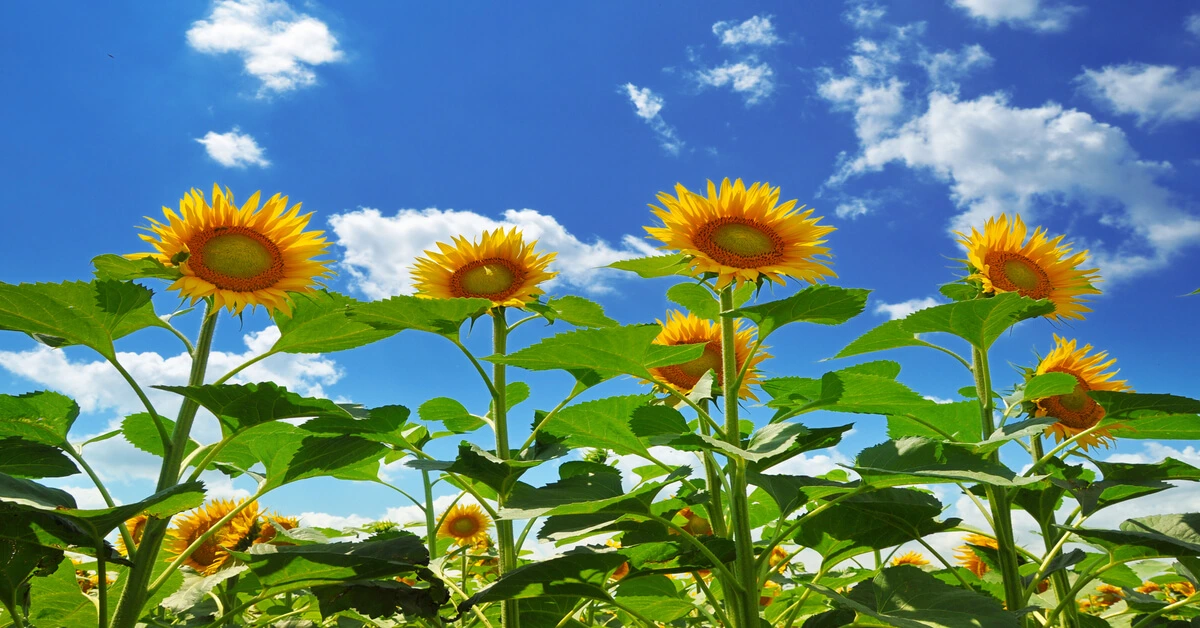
x,y
213,554
268,532
501,267
1109,595
778,558
1077,411
1040,268
136,526
912,558
1148,588
686,329
466,524
1181,590
742,235
238,256
967,556
695,524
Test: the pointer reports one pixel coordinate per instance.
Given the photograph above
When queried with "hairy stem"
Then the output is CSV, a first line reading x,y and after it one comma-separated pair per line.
x,y
504,528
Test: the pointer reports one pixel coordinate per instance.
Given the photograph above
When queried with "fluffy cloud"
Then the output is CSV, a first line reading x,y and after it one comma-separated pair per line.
x,y
647,106
863,14
1038,15
749,77
1192,24
756,31
233,149
947,67
326,520
1155,94
904,308
380,249
852,209
278,46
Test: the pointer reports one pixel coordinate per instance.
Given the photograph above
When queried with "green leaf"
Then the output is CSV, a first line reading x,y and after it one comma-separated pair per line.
x,y
595,355
30,493
140,431
332,563
242,406
890,335
870,521
320,323
1150,416
585,494
42,417
56,600
450,413
28,459
654,596
577,311
907,597
385,424
438,316
1149,537
696,299
383,599
958,420
77,313
483,466
602,424
959,291
791,492
120,268
768,442
869,388
196,587
1046,385
916,460
821,304
574,575
291,453
815,438
514,394
162,505
656,265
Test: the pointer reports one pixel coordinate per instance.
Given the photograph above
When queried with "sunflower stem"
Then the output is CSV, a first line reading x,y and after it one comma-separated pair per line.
x,y
1052,537
712,472
133,598
504,528
430,523
746,609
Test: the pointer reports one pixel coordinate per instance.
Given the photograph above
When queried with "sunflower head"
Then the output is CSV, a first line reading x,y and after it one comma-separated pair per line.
x,y
136,526
1040,268
916,559
743,235
1077,411
968,558
466,524
500,267
694,524
778,558
686,329
213,554
238,256
271,524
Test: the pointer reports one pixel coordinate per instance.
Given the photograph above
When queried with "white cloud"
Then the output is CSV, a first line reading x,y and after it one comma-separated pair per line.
x,y
233,149
756,31
852,209
947,67
814,464
326,520
278,46
1155,94
1038,15
380,249
864,14
667,455
750,77
904,308
1192,24
647,106
87,497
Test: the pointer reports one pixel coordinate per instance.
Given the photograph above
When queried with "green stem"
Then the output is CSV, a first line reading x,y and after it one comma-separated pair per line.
x,y
1149,617
712,600
184,339
746,611
102,583
238,369
133,598
712,474
137,389
1053,539
504,527
718,567
430,523
538,428
108,500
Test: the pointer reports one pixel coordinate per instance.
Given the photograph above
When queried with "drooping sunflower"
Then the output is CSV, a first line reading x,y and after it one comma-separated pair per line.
x,y
466,524
136,526
1040,268
501,267
743,234
1077,411
686,329
213,554
968,558
238,256
916,559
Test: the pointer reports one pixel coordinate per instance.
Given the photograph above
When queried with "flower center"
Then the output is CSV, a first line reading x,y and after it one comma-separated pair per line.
x,y
235,258
686,375
1013,272
464,526
740,243
1076,409
492,278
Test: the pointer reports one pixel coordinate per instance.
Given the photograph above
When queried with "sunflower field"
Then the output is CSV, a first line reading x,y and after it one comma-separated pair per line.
x,y
730,539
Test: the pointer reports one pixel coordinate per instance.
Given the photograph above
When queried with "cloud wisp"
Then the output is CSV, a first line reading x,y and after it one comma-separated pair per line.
x,y
234,149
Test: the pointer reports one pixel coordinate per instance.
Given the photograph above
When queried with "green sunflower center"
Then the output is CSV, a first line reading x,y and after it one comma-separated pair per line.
x,y
235,258
1013,272
464,526
685,376
493,278
1076,409
744,240
1077,400
740,243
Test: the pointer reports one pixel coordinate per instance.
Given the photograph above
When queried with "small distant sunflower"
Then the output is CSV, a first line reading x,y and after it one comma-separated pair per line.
x,y
136,526
466,524
916,559
686,329
1148,587
778,558
238,256
968,558
1040,268
501,267
742,235
268,532
1181,590
695,524
1109,594
213,554
1077,411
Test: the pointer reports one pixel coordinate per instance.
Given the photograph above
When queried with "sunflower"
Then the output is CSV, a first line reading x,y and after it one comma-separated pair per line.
x,y
271,525
467,525
687,329
501,267
1109,594
213,554
916,559
1148,588
778,558
136,526
1041,268
1181,590
1077,411
695,524
238,256
968,558
742,235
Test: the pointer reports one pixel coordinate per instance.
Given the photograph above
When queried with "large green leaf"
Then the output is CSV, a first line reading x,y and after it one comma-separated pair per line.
x,y
29,459
56,600
656,265
42,417
696,299
815,438
140,431
790,492
821,304
385,424
480,465
1045,385
869,388
959,421
77,313
917,460
1150,416
439,316
577,311
32,494
654,596
242,406
594,355
766,443
291,453
602,424
574,575
450,413
120,268
383,599
585,493
320,323
870,521
1149,537
1125,481
331,563
907,597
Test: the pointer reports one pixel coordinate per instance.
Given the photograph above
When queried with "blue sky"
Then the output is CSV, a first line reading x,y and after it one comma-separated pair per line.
x,y
400,124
